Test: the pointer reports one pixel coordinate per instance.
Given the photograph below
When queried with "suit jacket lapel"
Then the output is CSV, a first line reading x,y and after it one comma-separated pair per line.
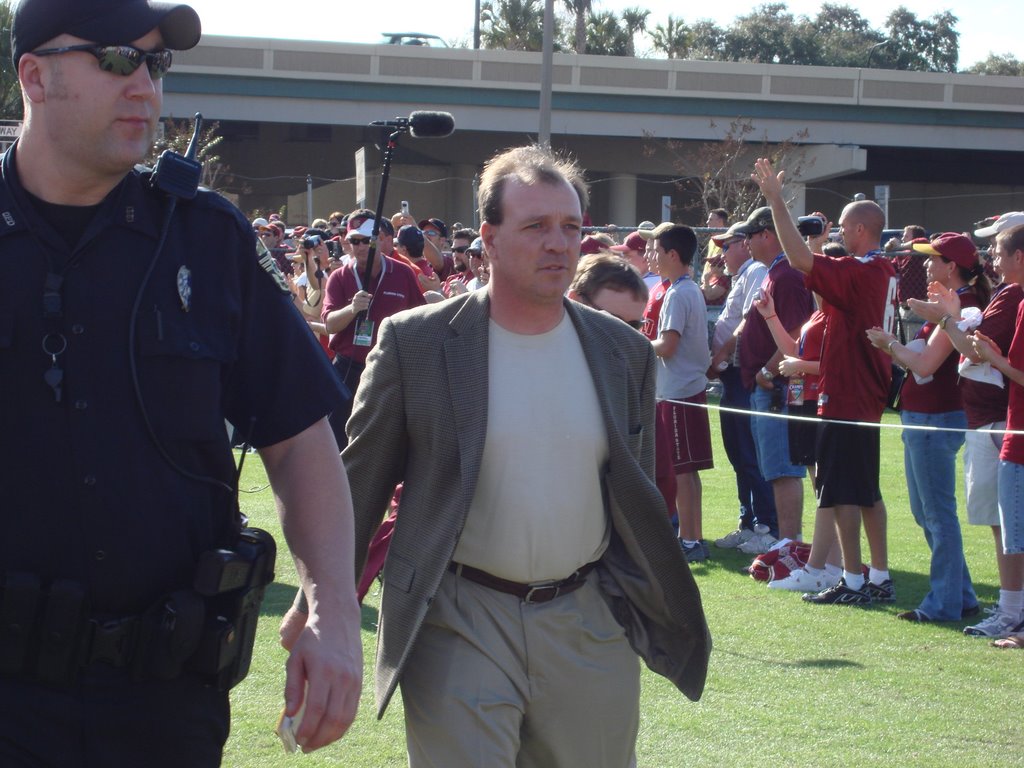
x,y
465,352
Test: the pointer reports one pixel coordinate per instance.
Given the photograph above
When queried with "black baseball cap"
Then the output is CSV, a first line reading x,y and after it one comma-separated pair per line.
x,y
758,221
107,22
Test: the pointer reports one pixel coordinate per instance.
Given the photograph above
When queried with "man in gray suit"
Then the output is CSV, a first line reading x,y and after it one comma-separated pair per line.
x,y
523,579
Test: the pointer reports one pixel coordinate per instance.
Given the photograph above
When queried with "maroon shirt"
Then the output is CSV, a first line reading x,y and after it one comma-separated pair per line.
x,y
985,403
941,394
859,293
1013,445
793,304
394,290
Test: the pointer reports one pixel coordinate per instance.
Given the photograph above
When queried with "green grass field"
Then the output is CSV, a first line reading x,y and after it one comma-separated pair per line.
x,y
789,683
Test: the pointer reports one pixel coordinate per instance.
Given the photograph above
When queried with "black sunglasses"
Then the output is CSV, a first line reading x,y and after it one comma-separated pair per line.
x,y
460,249
119,59
359,240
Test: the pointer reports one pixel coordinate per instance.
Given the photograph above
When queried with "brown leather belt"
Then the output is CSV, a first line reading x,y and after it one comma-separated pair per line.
x,y
528,593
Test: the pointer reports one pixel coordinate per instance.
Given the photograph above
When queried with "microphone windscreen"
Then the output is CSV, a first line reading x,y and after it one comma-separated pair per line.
x,y
428,125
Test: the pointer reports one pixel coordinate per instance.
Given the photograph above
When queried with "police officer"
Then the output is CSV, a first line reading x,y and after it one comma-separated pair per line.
x,y
122,351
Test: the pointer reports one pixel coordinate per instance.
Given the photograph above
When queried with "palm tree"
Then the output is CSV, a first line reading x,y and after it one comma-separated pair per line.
x,y
10,88
579,9
513,25
673,38
634,20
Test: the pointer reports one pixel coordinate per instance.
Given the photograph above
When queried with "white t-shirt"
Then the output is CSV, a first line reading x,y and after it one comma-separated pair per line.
x,y
538,511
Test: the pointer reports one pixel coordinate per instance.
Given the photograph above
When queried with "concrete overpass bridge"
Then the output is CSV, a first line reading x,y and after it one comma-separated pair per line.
x,y
949,146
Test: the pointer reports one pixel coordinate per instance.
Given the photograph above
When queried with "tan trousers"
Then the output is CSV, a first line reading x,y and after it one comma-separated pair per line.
x,y
493,682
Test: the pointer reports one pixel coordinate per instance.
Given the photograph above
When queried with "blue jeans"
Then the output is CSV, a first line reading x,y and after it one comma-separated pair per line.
x,y
930,460
1011,506
771,436
757,502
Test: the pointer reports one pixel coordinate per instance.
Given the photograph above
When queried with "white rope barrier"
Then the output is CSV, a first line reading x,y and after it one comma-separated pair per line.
x,y
819,420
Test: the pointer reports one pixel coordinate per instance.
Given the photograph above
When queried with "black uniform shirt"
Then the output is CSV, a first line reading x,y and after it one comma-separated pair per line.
x,y
84,493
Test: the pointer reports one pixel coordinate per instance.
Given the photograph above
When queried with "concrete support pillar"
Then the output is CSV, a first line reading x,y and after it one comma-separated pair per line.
x,y
622,199
460,193
796,198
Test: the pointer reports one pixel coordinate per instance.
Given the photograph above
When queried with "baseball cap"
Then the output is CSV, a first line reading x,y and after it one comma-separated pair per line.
x,y
477,246
259,223
410,236
107,22
729,234
365,229
635,242
437,224
1003,223
655,232
952,246
758,221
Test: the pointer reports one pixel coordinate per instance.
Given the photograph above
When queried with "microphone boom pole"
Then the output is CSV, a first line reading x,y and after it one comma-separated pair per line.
x,y
419,124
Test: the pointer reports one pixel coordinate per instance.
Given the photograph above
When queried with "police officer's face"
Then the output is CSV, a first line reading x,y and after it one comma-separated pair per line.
x,y
98,123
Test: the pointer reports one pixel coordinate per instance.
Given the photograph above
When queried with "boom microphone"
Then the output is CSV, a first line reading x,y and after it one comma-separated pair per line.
x,y
422,125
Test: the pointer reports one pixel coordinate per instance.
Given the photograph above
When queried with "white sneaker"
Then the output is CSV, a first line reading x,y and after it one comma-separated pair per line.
x,y
801,580
734,539
997,625
760,542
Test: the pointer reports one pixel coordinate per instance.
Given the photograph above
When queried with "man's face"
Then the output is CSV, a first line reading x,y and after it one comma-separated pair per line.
x,y
851,230
533,252
459,246
623,304
360,247
761,247
385,242
266,236
433,234
715,221
1009,265
94,120
736,254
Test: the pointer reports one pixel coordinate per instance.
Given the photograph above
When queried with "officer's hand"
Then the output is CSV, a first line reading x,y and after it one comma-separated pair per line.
x,y
361,301
326,668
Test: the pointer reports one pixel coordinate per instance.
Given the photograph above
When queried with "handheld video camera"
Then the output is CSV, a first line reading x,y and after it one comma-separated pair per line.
x,y
810,226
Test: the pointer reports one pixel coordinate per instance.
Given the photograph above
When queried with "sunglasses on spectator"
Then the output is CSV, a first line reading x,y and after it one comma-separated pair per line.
x,y
359,240
335,223
119,59
460,249
431,233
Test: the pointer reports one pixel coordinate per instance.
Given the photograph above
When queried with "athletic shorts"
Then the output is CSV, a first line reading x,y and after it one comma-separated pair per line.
x,y
803,435
981,472
848,461
689,433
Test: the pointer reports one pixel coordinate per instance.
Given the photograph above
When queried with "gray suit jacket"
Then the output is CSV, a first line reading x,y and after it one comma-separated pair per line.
x,y
420,416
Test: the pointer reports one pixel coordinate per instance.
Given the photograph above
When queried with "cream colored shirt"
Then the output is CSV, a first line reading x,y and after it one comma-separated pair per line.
x,y
538,512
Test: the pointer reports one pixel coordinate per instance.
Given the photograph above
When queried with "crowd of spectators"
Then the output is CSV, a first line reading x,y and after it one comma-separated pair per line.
x,y
801,325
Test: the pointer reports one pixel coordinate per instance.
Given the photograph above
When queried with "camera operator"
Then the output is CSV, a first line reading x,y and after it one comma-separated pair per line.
x,y
119,493
314,254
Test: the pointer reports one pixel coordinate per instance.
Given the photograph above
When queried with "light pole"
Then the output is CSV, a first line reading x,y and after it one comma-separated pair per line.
x,y
547,59
476,26
875,47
